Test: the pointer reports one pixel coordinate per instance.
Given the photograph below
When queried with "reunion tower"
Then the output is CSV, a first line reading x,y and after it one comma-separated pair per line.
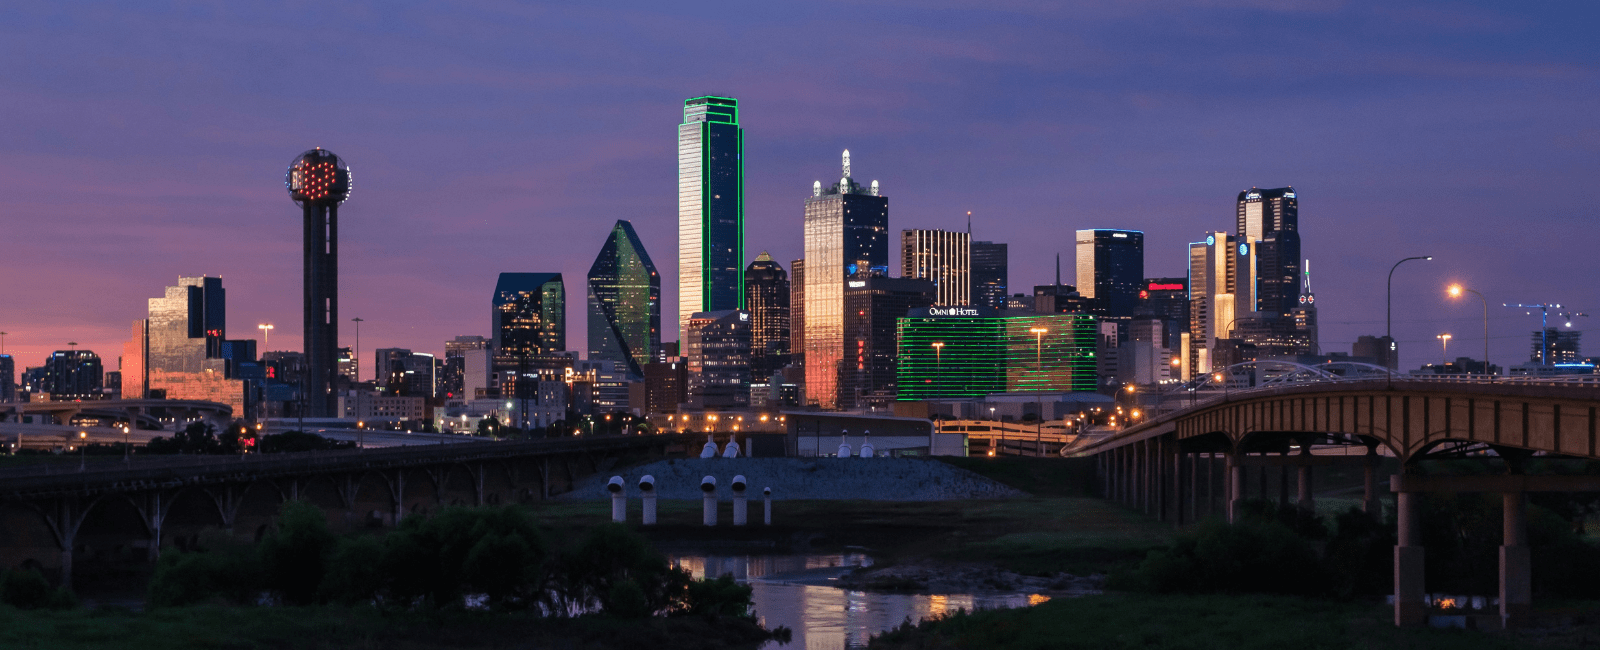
x,y
319,181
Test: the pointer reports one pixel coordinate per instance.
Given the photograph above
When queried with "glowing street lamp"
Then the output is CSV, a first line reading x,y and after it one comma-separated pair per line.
x,y
1444,346
1455,291
266,333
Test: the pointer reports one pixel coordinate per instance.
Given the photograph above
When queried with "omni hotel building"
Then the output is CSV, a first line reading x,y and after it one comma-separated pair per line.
x,y
965,352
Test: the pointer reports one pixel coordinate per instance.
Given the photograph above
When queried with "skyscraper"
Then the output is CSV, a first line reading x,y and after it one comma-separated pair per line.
x,y
717,348
319,181
177,352
797,314
766,297
1272,219
846,232
624,303
453,371
1222,271
873,306
1111,268
989,274
710,207
943,257
530,315
73,375
8,378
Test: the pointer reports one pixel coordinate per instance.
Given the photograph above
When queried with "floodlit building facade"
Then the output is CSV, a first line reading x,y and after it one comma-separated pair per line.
x,y
710,207
846,232
942,257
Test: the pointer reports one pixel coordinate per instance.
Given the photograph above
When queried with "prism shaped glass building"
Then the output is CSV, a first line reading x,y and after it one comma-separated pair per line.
x,y
710,207
624,303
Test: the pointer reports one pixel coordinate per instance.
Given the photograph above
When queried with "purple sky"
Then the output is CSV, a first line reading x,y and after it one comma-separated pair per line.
x,y
140,142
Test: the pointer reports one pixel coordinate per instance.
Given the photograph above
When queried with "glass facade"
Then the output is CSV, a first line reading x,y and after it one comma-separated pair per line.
x,y
717,348
530,314
1272,219
73,375
1110,267
766,297
943,257
989,277
710,207
1221,290
846,232
624,303
873,306
177,351
948,353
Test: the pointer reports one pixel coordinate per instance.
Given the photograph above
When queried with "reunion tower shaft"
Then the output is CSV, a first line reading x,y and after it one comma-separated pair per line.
x,y
319,181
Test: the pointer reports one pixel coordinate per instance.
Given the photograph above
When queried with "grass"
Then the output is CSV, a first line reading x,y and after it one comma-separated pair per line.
x,y
315,628
1204,623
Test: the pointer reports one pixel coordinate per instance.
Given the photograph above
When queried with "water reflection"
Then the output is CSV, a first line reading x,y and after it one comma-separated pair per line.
x,y
794,591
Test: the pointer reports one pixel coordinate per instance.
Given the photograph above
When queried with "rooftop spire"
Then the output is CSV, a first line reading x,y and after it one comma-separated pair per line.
x,y
847,163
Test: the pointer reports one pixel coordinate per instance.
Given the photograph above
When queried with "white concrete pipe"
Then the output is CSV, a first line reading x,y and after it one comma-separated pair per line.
x,y
740,507
766,494
647,494
866,444
844,443
619,500
731,450
708,486
710,448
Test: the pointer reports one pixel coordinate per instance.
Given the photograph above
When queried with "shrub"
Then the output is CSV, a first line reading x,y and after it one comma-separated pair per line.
x,y
220,569
718,597
28,589
294,556
1254,555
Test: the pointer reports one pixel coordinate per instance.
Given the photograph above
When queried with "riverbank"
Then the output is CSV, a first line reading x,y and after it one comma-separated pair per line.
x,y
1213,623
339,628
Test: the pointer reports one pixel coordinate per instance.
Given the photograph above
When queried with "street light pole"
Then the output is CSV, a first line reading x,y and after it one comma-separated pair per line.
x,y
1444,347
1388,319
266,334
1038,398
1455,292
355,358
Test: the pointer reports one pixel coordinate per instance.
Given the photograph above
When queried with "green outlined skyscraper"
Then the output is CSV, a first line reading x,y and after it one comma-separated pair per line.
x,y
710,207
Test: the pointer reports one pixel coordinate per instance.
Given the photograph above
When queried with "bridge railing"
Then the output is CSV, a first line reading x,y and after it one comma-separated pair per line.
x,y
204,468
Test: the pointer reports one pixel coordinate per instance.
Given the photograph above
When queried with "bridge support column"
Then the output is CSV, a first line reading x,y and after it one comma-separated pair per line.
x,y
1211,484
153,510
1303,499
1516,565
1194,487
1235,491
1410,604
1125,474
1369,497
63,516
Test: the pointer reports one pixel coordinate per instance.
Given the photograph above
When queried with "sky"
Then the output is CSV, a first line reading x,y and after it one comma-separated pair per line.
x,y
143,141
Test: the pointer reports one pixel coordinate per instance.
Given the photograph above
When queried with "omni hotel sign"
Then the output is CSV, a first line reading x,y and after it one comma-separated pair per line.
x,y
969,311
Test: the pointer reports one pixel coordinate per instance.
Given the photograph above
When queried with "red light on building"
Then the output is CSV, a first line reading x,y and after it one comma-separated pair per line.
x,y
1156,286
1144,294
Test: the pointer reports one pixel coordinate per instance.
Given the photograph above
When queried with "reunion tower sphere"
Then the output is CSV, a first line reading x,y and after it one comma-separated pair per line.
x,y
318,177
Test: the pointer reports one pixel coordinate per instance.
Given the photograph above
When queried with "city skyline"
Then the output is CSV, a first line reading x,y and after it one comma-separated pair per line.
x,y
137,217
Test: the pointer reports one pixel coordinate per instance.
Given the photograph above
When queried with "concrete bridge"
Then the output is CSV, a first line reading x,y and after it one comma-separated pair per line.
x,y
50,515
133,421
1198,460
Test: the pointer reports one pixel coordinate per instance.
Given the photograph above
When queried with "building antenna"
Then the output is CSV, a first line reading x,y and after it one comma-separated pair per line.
x,y
1308,276
969,224
1058,269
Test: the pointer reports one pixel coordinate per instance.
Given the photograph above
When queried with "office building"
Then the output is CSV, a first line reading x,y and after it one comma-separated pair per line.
x,y
1381,349
1110,266
940,256
717,349
1553,346
797,315
710,207
989,274
624,303
846,232
1167,301
666,385
1271,218
71,375
452,371
8,378
1221,292
33,382
873,307
177,352
600,386
966,352
402,372
766,297
529,316
320,181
